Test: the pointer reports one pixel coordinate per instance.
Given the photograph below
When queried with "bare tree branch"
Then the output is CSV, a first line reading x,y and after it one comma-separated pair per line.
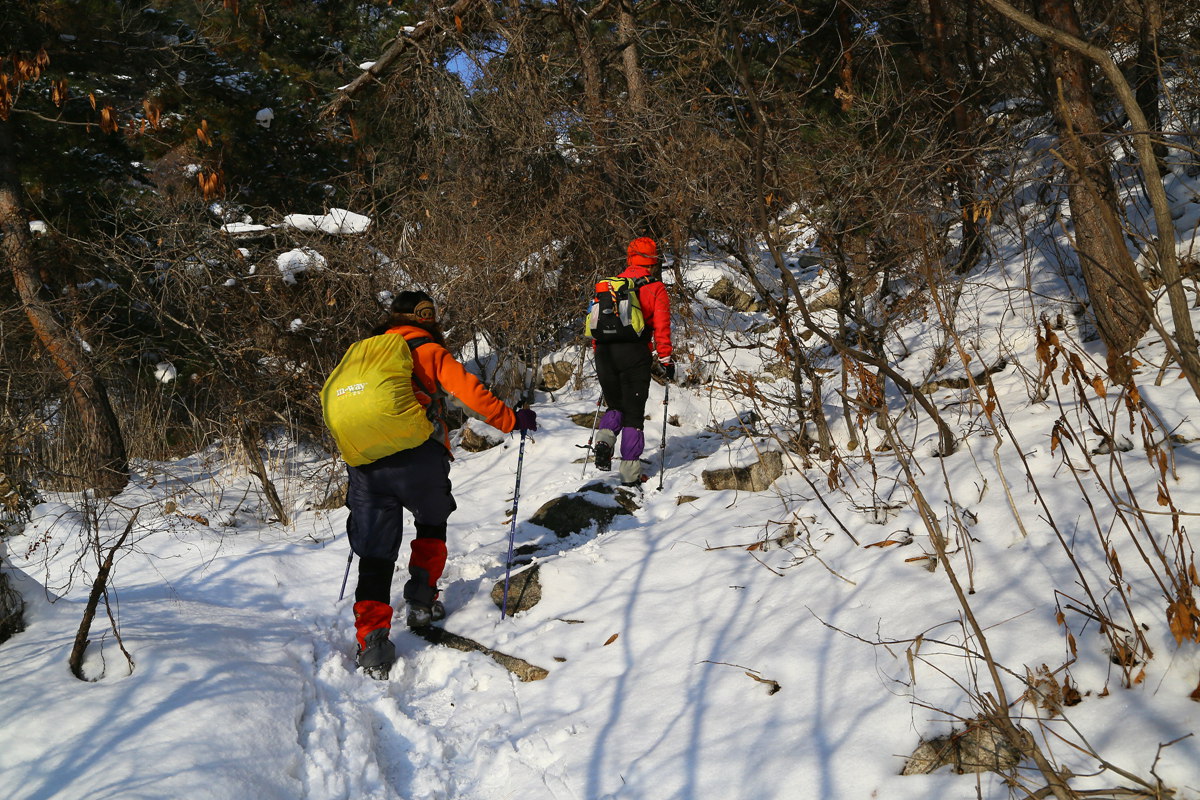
x,y
437,22
1186,348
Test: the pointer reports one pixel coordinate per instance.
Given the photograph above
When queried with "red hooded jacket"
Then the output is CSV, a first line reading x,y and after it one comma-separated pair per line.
x,y
640,256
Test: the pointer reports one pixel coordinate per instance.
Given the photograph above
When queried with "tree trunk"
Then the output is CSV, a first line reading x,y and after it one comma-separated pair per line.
x,y
940,69
12,607
1145,71
845,90
1183,347
1118,298
630,57
604,203
102,462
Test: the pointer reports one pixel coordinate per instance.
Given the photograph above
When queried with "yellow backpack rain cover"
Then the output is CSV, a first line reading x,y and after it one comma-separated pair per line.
x,y
368,401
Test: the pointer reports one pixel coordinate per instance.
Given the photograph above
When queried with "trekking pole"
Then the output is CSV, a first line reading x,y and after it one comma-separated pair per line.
x,y
346,577
662,459
512,530
591,436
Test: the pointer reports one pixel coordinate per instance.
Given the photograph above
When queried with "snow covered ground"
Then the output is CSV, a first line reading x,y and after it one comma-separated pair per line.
x,y
791,643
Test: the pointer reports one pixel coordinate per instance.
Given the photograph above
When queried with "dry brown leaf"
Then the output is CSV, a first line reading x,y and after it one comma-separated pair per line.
x,y
1182,617
775,687
1116,563
611,639
108,120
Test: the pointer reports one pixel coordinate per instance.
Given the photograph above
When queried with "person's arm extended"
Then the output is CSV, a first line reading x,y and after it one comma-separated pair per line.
x,y
466,389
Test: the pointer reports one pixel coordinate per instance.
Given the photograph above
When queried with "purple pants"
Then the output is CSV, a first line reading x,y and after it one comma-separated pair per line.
x,y
633,440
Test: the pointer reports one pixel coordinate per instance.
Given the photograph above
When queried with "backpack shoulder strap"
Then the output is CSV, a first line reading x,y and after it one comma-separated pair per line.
x,y
413,344
646,281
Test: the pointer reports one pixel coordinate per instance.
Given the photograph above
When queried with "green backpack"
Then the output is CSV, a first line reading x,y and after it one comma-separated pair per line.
x,y
615,313
368,400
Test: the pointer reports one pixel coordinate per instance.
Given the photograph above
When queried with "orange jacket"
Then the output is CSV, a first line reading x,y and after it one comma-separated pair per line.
x,y
439,372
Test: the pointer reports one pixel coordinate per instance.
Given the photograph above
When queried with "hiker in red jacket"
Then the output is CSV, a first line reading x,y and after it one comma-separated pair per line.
x,y
624,368
416,479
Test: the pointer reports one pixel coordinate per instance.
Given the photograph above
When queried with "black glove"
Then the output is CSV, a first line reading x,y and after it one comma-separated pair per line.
x,y
668,370
526,420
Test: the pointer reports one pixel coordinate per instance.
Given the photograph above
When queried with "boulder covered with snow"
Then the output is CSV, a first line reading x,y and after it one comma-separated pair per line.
x,y
556,375
338,221
524,591
477,436
727,294
295,262
596,505
12,609
981,747
753,467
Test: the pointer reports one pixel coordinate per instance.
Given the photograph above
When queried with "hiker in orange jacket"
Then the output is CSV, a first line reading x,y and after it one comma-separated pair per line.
x,y
624,368
416,479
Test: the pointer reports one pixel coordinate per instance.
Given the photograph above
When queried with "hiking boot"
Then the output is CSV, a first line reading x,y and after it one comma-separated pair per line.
x,y
604,453
377,657
422,616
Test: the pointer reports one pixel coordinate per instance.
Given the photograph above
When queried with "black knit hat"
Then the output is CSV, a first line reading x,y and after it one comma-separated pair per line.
x,y
416,304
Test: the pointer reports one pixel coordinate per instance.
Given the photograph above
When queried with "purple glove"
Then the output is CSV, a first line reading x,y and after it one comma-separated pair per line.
x,y
526,420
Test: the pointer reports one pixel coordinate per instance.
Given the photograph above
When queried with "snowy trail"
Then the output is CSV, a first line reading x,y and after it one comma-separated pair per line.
x,y
411,736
